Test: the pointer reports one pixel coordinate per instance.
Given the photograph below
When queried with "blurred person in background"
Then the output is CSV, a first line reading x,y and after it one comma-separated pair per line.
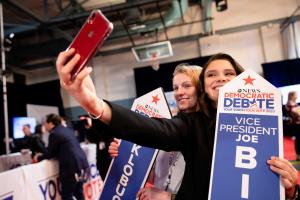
x,y
40,131
292,108
66,122
24,144
291,120
32,142
96,134
73,164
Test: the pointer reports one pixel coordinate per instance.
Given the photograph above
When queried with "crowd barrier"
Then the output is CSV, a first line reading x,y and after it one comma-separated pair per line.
x,y
14,160
41,180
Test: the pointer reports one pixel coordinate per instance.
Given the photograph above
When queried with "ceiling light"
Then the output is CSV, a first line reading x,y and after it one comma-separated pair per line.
x,y
135,27
221,5
11,35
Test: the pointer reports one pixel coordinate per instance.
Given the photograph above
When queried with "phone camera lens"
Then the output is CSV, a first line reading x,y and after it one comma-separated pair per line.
x,y
93,16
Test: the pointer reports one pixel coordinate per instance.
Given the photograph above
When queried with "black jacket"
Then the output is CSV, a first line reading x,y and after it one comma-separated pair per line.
x,y
64,146
192,134
290,127
34,143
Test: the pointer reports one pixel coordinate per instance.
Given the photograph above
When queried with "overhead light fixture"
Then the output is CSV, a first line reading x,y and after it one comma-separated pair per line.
x,y
221,5
136,26
11,35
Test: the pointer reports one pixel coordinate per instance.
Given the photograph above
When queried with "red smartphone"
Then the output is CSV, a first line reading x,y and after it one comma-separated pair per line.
x,y
91,35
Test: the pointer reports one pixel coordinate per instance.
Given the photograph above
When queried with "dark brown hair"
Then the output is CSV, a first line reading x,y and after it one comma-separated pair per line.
x,y
205,102
53,118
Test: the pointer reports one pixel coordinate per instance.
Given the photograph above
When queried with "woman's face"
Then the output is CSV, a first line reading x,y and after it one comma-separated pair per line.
x,y
185,93
217,74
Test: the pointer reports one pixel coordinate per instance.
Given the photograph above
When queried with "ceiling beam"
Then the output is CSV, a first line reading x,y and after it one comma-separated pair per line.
x,y
126,28
162,20
253,26
73,17
46,9
25,11
59,4
181,13
289,20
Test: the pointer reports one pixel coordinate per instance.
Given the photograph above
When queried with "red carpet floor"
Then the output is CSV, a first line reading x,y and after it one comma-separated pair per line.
x,y
289,148
290,153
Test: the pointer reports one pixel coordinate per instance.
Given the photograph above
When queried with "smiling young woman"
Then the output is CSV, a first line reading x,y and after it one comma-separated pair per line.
x,y
190,133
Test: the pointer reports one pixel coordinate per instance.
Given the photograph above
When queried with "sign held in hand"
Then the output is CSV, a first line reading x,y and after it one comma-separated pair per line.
x,y
248,133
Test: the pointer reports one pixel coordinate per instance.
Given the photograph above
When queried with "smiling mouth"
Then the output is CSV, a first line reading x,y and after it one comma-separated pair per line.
x,y
217,87
183,99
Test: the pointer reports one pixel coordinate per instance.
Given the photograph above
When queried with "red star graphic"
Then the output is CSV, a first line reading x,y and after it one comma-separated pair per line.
x,y
248,80
155,99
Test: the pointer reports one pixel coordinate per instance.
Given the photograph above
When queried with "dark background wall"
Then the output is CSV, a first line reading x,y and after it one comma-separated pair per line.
x,y
282,73
19,95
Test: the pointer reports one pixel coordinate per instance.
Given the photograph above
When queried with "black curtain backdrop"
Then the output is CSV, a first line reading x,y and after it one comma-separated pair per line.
x,y
147,79
19,94
282,73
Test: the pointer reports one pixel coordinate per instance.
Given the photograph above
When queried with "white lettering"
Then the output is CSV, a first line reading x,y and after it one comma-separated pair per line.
x,y
248,121
115,197
127,172
120,193
245,154
123,180
130,160
135,149
247,138
245,186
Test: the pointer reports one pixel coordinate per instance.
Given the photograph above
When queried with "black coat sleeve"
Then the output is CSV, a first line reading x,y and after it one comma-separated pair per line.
x,y
53,147
165,134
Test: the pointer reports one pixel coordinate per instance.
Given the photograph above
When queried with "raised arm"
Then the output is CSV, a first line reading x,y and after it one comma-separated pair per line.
x,y
164,134
82,87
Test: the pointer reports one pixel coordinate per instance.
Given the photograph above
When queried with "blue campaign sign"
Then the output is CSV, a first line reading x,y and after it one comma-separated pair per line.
x,y
248,133
8,198
129,171
125,178
244,144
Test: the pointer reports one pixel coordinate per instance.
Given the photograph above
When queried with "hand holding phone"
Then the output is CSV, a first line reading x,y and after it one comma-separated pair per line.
x,y
92,34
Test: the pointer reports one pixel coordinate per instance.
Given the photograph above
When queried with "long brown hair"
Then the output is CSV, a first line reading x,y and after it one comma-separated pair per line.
x,y
205,102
